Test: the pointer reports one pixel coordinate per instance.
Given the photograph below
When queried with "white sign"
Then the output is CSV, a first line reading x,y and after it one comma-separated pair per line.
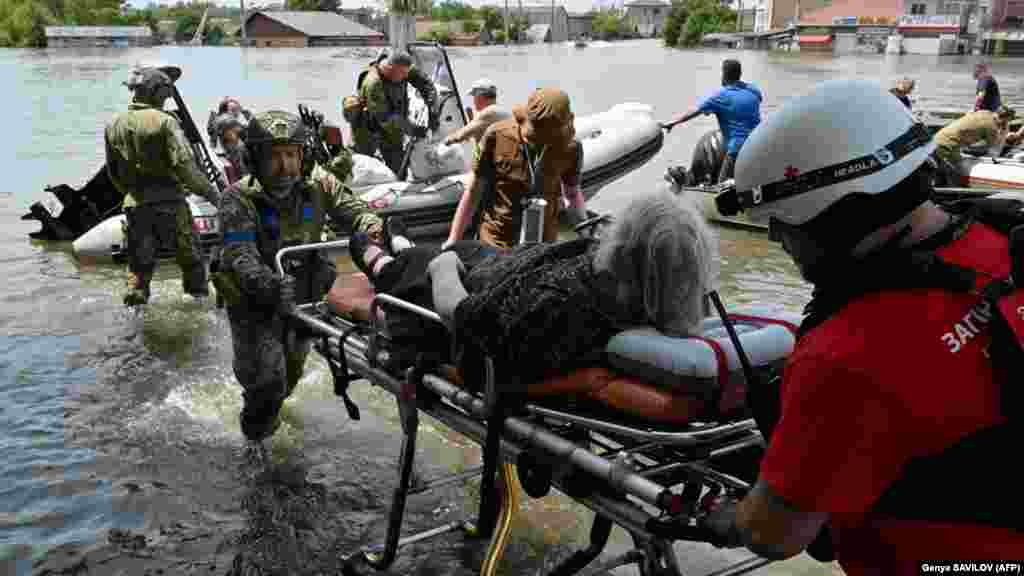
x,y
929,21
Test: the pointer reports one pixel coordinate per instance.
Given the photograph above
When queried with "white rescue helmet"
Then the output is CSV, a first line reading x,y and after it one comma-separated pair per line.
x,y
841,138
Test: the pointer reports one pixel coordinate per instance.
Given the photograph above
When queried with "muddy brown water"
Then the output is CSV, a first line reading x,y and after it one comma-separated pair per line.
x,y
122,451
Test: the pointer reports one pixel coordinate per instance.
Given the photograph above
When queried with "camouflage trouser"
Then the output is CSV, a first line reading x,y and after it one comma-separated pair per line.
x,y
158,228
266,371
389,143
341,165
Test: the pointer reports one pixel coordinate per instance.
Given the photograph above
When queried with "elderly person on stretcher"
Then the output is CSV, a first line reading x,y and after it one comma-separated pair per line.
x,y
541,310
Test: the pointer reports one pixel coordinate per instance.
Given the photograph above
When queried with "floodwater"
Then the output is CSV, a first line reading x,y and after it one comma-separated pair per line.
x,y
121,447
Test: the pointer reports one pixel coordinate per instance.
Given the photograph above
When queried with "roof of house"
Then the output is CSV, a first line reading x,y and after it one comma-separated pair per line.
x,y
97,31
319,24
860,8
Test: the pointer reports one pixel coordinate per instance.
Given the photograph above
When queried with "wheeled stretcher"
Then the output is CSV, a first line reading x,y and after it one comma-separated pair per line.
x,y
638,439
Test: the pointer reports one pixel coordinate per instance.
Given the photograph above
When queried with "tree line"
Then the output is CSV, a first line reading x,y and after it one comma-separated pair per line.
x,y
23,22
689,20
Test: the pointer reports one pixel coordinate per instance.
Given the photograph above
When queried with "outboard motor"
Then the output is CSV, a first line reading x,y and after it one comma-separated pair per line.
x,y
707,158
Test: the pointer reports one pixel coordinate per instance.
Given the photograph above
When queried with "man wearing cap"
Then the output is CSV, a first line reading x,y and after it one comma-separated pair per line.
x,y
487,112
532,154
383,102
980,127
149,162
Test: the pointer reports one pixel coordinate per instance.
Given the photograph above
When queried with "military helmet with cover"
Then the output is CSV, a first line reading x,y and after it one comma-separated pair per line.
x,y
275,127
264,131
151,82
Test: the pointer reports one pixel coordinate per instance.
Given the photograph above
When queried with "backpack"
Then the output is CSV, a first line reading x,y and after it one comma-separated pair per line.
x,y
962,483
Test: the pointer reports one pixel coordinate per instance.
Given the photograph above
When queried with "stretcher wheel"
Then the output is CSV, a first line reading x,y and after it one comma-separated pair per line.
x,y
534,475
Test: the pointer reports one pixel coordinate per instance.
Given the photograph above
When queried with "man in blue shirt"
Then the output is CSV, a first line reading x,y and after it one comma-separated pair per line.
x,y
987,93
738,108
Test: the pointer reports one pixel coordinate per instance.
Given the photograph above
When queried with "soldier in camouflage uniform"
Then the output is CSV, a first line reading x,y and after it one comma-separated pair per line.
x,y
278,205
384,100
149,162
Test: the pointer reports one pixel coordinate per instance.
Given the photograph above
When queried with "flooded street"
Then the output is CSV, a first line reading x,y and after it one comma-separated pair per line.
x,y
119,430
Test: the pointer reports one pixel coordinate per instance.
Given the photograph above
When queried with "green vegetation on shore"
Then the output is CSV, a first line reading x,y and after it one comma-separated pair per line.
x,y
690,20
23,22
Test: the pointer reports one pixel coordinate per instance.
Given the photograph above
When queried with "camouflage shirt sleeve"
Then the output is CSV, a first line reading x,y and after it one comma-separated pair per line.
x,y
376,100
241,255
425,86
184,167
347,209
112,157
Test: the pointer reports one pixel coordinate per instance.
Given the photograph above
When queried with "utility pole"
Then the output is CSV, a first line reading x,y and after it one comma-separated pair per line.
x,y
552,29
506,23
739,15
243,22
520,21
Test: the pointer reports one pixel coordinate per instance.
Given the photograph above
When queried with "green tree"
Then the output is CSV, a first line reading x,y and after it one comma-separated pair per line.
x,y
610,24
470,26
689,20
410,6
314,5
449,10
186,27
23,23
441,35
492,19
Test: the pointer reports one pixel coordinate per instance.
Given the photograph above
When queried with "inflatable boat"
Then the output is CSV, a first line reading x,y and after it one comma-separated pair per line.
x,y
615,143
987,176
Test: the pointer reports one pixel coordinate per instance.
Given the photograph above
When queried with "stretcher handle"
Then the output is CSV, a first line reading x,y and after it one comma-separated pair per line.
x,y
380,299
279,257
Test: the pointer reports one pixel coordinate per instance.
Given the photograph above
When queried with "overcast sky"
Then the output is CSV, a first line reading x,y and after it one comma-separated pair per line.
x,y
570,5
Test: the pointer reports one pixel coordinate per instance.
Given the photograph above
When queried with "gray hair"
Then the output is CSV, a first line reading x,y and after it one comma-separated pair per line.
x,y
664,257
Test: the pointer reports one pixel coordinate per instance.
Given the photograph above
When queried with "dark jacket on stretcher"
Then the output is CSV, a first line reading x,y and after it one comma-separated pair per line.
x,y
538,310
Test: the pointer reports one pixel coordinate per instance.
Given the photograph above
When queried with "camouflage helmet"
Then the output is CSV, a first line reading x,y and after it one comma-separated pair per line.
x,y
275,127
150,76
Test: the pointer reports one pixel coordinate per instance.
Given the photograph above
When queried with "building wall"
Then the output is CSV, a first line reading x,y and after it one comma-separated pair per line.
x,y
560,26
263,29
580,26
781,13
346,41
845,43
83,42
647,20
278,41
926,45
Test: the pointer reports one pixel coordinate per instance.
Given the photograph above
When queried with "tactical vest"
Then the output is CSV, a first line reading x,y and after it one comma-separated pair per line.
x,y
274,231
962,483
146,180
354,106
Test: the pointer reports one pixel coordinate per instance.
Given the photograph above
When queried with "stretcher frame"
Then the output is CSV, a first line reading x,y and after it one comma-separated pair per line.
x,y
626,475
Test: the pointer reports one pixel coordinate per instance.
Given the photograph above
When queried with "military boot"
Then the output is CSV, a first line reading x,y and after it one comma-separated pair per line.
x,y
195,283
260,418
